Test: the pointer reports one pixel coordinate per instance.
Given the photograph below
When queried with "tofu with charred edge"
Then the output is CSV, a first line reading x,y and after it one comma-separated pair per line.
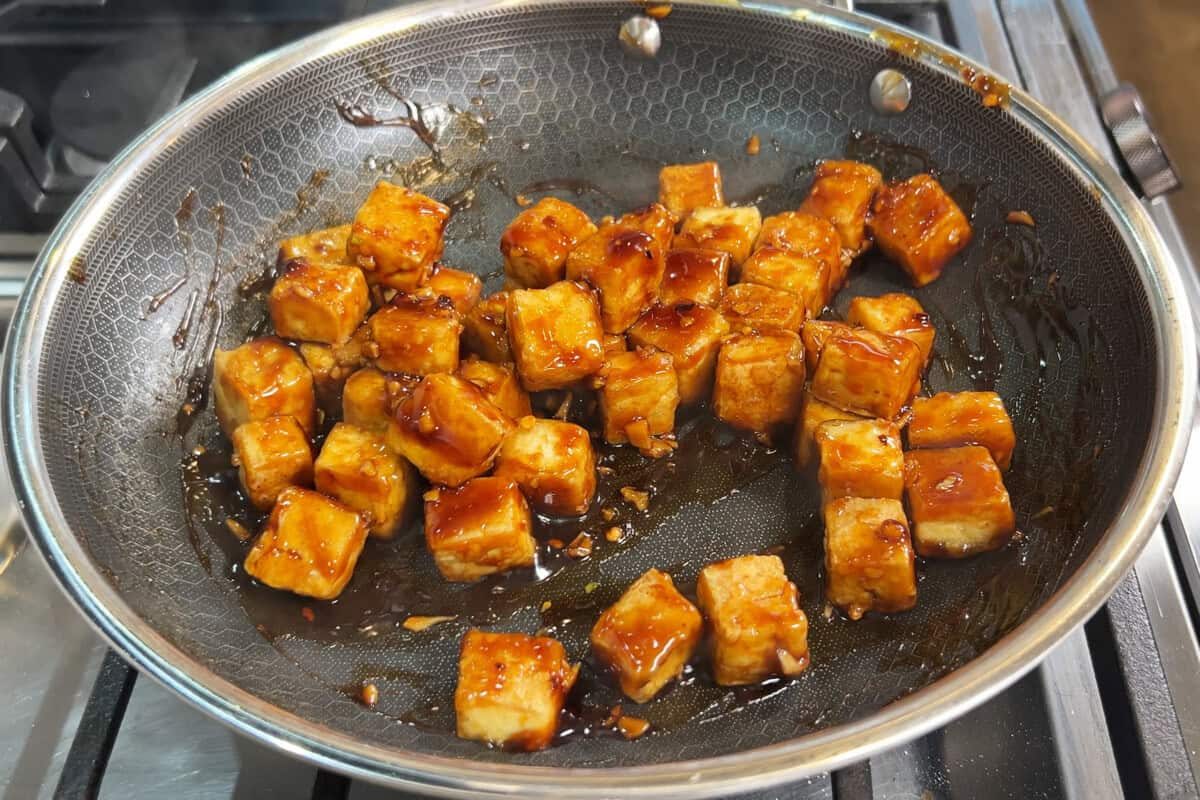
x,y
760,381
356,467
535,245
897,315
952,419
625,265
860,458
752,307
511,689
552,462
397,236
478,529
699,276
758,627
259,379
868,556
810,237
867,373
325,246
812,413
683,188
730,230
639,392
648,636
271,454
842,192
309,546
499,384
315,303
692,334
807,278
958,502
485,331
555,335
919,226
416,335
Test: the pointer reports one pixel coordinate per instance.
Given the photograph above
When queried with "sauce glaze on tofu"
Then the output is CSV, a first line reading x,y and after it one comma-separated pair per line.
x,y
867,373
555,335
692,334
259,379
397,236
477,529
919,226
842,192
698,276
752,307
683,188
868,556
535,245
553,463
958,502
952,419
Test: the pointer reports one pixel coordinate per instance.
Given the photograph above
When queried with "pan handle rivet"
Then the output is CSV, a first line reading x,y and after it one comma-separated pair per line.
x,y
640,35
891,91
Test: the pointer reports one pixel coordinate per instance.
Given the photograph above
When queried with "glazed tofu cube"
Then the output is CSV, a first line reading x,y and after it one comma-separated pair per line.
x,y
698,276
958,502
478,529
807,278
331,365
511,689
462,288
485,332
760,380
499,384
537,242
809,236
309,545
416,335
357,468
613,343
730,230
625,265
814,334
685,187
860,458
397,236
648,636
867,373
868,556
262,378
842,192
638,397
555,335
752,307
953,419
895,314
370,397
326,246
271,454
919,226
448,429
552,462
812,413
692,334
655,220
318,303
758,627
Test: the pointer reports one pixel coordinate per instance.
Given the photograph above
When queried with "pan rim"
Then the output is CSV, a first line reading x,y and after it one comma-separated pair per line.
x,y
973,683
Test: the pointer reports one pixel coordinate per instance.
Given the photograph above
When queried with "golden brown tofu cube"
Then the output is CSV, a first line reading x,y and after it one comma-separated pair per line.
x,y
309,545
537,242
511,689
868,556
370,397
812,413
555,335
760,380
895,314
860,458
357,468
625,265
699,276
613,343
807,278
397,236
318,303
326,246
869,373
271,454
478,529
552,462
809,236
842,192
730,230
814,334
331,365
684,187
692,334
416,335
958,502
919,226
462,288
259,379
753,307
485,332
648,636
638,398
758,627
448,429
953,419
655,220
499,384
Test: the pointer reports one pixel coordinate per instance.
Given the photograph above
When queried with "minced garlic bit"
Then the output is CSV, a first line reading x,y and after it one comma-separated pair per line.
x,y
418,624
632,727
827,612
636,497
614,534
753,145
658,10
369,695
1020,218
557,544
546,605
238,529
590,587
580,546
605,470
608,513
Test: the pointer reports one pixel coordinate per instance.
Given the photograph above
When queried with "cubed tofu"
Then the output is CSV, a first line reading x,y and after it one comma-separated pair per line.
x,y
315,303
271,454
511,689
448,429
842,192
499,384
397,236
648,636
868,373
919,226
357,468
325,246
625,265
958,502
868,556
753,307
535,245
730,230
654,219
639,393
613,343
807,278
478,529
953,419
309,546
860,458
259,379
896,314
757,625
814,334
485,332
760,380
685,187
555,335
370,397
692,334
699,276
462,288
416,335
809,236
552,462
812,413
332,364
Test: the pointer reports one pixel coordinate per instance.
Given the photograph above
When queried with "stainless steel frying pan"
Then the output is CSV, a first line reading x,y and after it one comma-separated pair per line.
x,y
1075,321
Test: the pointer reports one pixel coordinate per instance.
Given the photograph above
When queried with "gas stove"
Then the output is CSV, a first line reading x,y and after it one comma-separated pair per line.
x,y
1113,711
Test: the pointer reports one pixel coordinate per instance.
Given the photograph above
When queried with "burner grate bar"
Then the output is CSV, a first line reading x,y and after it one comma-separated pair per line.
x,y
97,732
